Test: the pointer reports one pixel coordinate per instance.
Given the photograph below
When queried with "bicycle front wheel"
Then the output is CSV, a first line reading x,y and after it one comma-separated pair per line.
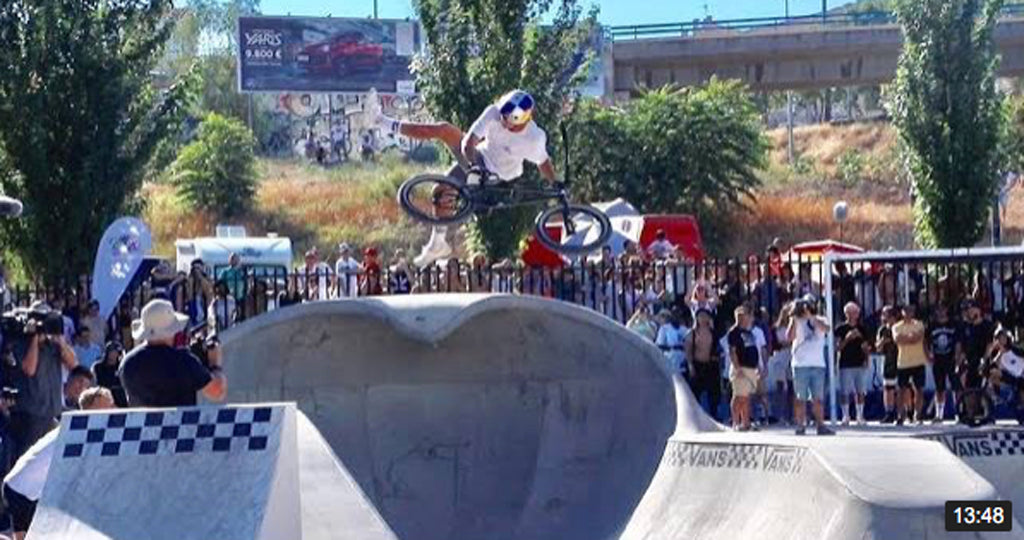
x,y
584,229
435,199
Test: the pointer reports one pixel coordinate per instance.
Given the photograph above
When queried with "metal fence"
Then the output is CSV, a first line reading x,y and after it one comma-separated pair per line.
x,y
614,287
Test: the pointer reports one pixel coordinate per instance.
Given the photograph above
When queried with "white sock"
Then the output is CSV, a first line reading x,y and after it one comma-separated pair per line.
x,y
860,412
438,234
940,410
846,413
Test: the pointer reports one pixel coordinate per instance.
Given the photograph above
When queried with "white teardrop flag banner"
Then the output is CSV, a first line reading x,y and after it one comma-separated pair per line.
x,y
125,243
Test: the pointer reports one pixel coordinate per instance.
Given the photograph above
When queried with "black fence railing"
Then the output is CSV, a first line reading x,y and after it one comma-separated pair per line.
x,y
617,288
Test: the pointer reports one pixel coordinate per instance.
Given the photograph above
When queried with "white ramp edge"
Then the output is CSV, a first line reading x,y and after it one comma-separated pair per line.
x,y
994,452
777,487
196,473
332,500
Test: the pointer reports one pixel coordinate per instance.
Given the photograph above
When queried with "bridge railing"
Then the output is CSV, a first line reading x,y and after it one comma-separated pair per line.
x,y
697,27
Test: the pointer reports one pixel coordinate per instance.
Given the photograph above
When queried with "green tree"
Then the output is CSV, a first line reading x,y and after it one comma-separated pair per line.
x,y
205,35
79,121
217,171
1013,136
480,49
694,151
948,116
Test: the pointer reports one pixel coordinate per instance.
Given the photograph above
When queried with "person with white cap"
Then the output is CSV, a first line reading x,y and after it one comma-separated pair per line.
x,y
346,271
156,374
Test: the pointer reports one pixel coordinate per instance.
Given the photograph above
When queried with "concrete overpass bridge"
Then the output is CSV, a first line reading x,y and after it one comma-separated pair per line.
x,y
791,53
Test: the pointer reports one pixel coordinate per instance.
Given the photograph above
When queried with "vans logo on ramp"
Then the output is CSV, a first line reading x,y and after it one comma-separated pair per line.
x,y
992,444
755,457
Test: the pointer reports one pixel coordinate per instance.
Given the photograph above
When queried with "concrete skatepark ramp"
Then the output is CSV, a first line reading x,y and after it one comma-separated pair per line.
x,y
500,417
193,473
470,417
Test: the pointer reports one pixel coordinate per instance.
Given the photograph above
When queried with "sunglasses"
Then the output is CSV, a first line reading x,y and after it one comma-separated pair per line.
x,y
526,104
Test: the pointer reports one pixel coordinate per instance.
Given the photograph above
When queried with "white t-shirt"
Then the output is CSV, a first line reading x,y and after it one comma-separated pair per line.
x,y
762,345
28,476
661,249
673,339
222,312
504,151
808,346
320,272
347,271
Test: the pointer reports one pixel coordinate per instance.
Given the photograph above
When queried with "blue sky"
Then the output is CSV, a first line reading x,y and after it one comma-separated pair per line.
x,y
613,12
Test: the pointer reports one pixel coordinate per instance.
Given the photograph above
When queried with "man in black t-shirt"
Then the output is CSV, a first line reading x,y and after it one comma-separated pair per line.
x,y
853,347
745,357
976,335
156,374
886,344
942,344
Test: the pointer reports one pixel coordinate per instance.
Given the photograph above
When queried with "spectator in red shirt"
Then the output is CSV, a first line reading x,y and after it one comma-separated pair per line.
x,y
370,281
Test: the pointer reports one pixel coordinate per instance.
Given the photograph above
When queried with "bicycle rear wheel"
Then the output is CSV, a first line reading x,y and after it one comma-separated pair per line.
x,y
583,229
435,199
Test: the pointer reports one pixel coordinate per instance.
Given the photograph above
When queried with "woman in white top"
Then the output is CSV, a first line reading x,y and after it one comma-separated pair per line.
x,y
671,338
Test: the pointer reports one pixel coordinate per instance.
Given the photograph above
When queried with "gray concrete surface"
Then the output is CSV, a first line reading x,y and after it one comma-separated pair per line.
x,y
498,417
470,417
798,57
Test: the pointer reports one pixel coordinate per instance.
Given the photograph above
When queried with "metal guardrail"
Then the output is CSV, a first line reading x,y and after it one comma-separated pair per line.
x,y
696,27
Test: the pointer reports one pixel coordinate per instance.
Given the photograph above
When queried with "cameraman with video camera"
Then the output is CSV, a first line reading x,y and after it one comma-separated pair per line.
x,y
807,332
158,374
38,353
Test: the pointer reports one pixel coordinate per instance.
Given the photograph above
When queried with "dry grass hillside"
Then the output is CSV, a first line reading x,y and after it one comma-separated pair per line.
x,y
355,203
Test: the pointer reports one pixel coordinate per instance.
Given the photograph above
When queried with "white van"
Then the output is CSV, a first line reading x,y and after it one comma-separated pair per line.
x,y
269,255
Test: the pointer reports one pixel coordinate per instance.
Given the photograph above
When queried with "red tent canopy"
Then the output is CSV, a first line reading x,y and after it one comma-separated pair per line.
x,y
817,248
681,230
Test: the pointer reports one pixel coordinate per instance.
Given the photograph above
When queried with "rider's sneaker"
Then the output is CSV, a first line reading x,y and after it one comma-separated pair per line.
x,y
437,248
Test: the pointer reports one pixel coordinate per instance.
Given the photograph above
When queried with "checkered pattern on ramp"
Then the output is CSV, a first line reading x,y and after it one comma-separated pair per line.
x,y
1008,443
180,431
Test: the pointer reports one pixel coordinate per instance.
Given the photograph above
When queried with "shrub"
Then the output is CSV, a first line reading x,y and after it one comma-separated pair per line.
x,y
850,167
217,171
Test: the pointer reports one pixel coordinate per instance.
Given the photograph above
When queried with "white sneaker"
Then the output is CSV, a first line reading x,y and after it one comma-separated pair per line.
x,y
436,248
846,421
861,421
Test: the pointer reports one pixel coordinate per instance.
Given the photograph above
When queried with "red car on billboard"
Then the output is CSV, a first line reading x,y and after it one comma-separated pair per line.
x,y
341,54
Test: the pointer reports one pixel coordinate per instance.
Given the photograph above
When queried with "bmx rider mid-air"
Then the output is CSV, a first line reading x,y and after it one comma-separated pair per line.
x,y
499,141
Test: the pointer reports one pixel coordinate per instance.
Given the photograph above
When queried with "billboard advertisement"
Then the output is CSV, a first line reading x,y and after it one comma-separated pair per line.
x,y
304,54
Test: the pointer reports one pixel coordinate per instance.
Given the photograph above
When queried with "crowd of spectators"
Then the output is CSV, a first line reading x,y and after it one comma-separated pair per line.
x,y
748,336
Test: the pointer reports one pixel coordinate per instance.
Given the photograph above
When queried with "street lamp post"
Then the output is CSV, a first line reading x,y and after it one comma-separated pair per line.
x,y
840,212
374,9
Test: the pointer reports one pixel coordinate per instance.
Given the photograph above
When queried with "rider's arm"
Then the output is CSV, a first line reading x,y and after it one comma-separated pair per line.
x,y
469,143
547,170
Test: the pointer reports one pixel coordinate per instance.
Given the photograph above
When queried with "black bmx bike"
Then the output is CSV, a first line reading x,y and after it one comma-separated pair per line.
x,y
439,199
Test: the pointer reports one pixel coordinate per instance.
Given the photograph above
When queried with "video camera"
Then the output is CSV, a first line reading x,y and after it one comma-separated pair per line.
x,y
200,346
23,322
